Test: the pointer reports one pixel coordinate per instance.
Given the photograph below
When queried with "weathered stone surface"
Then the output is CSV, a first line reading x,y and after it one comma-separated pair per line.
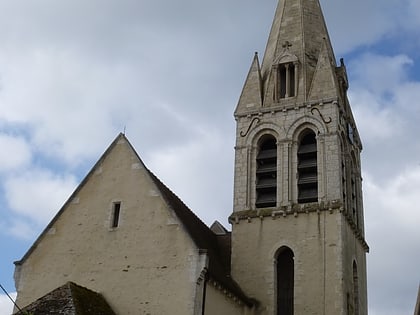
x,y
69,299
327,236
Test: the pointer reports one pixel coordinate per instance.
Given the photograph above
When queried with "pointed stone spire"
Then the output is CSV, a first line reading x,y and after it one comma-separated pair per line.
x,y
251,96
299,37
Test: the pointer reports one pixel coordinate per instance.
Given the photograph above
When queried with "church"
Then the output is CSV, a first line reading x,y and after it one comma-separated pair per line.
x,y
125,244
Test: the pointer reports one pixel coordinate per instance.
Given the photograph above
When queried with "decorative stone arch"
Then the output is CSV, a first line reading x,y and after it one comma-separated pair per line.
x,y
286,57
264,170
286,76
272,255
303,123
263,128
295,133
250,145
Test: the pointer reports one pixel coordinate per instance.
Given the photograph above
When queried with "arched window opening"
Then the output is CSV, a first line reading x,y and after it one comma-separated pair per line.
x,y
266,177
287,80
355,289
307,169
285,282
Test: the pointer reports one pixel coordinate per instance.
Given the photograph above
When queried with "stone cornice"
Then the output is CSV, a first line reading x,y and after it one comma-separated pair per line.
x,y
285,106
298,209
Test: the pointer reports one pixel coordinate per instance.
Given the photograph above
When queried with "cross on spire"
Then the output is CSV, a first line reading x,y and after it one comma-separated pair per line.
x,y
287,44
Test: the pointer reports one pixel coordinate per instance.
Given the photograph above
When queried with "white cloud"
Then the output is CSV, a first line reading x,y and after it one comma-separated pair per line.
x,y
386,106
379,73
396,199
38,194
21,228
62,98
376,19
413,16
16,153
6,306
376,121
200,172
393,206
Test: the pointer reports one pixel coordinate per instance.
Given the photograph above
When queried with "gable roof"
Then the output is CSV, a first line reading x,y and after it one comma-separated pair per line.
x,y
75,192
216,246
69,299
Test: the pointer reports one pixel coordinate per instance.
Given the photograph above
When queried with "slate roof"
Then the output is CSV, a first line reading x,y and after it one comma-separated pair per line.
x,y
69,299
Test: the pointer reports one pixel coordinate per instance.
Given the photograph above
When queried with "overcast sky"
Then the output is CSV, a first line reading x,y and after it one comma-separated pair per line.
x,y
75,73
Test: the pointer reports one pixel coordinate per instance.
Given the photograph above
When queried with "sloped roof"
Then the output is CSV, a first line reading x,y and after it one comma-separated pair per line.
x,y
75,192
69,299
217,246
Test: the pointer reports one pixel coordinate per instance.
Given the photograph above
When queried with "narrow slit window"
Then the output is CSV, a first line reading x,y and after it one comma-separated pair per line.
x,y
355,289
116,214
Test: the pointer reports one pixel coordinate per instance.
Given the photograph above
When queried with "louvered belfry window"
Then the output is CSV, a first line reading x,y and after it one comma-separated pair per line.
x,y
307,169
266,179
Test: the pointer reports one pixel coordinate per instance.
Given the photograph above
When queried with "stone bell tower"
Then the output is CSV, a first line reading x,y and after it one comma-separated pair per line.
x,y
298,243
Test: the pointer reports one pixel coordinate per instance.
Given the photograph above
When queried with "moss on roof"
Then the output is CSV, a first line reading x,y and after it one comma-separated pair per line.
x,y
69,299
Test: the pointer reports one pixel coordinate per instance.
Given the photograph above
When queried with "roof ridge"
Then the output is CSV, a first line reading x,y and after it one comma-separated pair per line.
x,y
73,194
160,184
217,270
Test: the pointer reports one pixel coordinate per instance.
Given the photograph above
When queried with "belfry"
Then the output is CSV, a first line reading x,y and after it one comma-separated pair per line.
x,y
298,241
124,243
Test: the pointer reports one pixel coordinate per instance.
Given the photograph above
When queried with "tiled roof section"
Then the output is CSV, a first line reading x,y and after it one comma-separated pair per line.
x,y
217,247
69,299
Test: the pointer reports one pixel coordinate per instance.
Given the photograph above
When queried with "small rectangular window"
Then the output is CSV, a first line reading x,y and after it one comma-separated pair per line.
x,y
115,214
